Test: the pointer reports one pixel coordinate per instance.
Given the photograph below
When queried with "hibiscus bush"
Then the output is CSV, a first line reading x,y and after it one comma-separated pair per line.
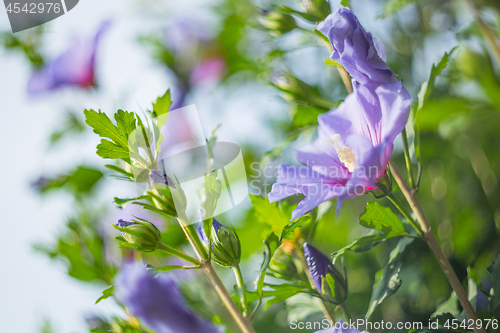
x,y
370,196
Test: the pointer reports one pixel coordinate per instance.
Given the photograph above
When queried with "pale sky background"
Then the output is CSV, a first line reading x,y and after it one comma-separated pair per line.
x,y
33,288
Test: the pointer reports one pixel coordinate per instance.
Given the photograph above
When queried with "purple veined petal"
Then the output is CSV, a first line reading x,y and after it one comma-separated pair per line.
x,y
315,194
376,110
355,49
157,302
395,102
74,67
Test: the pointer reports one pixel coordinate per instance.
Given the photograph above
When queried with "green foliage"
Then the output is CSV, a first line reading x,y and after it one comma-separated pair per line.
x,y
162,104
384,224
392,6
387,280
82,249
118,147
436,70
269,213
72,125
106,293
81,181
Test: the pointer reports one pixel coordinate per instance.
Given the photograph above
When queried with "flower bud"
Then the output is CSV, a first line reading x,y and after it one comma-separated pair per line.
x,y
277,22
226,248
168,195
282,266
316,10
326,278
140,235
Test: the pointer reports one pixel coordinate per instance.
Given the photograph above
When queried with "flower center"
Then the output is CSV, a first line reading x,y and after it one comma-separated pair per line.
x,y
345,154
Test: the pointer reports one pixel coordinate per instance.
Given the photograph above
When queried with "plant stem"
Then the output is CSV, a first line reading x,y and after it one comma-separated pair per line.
x,y
241,286
403,211
170,250
431,240
346,313
244,324
346,78
411,180
486,31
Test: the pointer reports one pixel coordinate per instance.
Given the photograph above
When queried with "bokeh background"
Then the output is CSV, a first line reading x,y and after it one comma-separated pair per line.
x,y
52,178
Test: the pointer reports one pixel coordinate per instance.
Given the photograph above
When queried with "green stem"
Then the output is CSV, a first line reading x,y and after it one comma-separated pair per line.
x,y
411,180
346,312
242,322
241,286
170,250
405,213
430,238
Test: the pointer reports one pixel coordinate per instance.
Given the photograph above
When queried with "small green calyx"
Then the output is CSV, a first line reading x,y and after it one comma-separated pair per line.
x,y
226,247
142,236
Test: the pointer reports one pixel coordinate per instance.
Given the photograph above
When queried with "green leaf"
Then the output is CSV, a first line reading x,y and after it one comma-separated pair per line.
x,y
381,218
118,147
306,115
80,181
427,86
209,194
345,3
306,16
450,307
162,104
106,293
387,280
271,244
120,170
269,213
163,269
289,229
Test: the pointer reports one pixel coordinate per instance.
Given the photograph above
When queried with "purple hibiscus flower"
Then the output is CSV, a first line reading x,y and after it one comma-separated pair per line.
x,y
353,147
157,302
355,141
73,67
341,327
362,55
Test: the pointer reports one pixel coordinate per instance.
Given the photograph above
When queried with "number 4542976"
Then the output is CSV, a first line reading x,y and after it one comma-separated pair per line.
x,y
470,324
34,8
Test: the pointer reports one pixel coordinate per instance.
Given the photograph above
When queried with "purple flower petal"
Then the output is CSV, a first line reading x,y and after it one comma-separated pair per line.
x,y
73,67
157,302
355,49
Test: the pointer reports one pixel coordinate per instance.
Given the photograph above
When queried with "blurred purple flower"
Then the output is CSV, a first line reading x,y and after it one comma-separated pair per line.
x,y
362,55
341,327
185,33
353,147
73,67
208,70
157,302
